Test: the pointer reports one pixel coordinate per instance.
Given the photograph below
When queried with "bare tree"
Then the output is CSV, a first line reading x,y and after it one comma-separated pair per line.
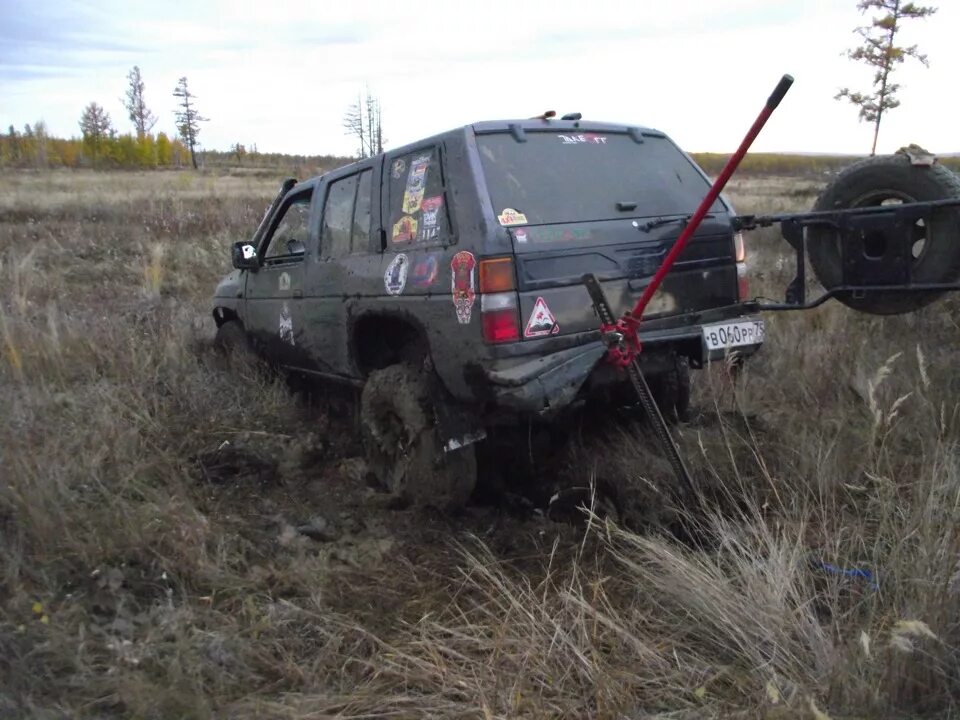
x,y
239,152
41,136
353,124
363,121
879,52
141,117
188,118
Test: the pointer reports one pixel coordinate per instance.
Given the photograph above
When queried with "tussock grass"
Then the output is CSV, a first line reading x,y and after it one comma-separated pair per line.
x,y
817,570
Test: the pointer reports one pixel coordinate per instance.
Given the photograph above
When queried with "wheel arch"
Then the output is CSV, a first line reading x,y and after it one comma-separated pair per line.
x,y
223,314
382,338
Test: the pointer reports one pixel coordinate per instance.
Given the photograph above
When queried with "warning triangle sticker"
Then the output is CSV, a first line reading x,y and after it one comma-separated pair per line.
x,y
541,321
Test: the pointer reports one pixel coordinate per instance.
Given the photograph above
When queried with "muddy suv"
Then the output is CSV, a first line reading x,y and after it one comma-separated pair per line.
x,y
445,279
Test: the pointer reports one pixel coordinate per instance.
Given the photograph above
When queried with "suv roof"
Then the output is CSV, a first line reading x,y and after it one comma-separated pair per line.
x,y
486,127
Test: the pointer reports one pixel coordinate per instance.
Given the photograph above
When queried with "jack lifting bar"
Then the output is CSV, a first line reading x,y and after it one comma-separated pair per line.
x,y
862,274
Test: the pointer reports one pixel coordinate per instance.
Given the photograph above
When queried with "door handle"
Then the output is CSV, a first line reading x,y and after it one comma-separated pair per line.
x,y
298,293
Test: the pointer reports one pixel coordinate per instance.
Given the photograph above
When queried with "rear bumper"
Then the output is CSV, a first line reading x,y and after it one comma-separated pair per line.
x,y
547,383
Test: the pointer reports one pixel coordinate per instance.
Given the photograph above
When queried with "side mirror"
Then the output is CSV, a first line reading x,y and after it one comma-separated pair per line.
x,y
245,256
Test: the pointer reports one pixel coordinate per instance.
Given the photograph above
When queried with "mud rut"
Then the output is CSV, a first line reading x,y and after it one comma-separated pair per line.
x,y
308,490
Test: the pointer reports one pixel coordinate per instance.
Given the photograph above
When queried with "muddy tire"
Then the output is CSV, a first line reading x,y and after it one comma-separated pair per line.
x,y
883,180
403,446
232,340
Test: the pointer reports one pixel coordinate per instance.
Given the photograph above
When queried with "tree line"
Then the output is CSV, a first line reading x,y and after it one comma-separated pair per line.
x,y
100,145
33,147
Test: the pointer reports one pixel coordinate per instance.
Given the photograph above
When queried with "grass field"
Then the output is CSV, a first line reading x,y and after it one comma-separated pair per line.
x,y
181,539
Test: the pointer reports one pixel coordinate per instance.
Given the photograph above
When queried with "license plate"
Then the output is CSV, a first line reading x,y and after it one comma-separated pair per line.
x,y
723,336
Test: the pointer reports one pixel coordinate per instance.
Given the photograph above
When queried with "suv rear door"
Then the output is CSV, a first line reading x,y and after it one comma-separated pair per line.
x,y
608,202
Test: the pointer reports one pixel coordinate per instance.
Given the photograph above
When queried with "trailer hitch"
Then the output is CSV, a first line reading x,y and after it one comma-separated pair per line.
x,y
620,334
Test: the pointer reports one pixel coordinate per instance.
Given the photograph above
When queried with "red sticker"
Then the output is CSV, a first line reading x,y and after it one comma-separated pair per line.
x,y
541,322
462,285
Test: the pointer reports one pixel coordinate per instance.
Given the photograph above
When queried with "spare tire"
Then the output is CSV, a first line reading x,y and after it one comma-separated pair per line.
x,y
884,180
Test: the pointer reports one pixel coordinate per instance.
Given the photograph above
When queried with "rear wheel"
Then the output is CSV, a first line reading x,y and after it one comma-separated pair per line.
x,y
671,390
403,446
935,249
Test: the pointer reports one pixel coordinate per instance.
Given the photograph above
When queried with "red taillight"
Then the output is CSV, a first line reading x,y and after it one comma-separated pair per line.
x,y
740,255
500,326
743,282
498,301
499,314
739,249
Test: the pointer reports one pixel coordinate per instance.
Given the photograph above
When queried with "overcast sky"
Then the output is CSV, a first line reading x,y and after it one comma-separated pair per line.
x,y
281,74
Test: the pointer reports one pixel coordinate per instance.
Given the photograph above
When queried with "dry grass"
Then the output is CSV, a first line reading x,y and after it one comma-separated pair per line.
x,y
142,579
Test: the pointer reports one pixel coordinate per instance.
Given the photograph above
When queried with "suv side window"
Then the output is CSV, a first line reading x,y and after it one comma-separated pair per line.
x,y
417,200
338,217
289,238
360,239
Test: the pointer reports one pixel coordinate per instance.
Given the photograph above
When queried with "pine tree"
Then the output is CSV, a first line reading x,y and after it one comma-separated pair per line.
x,y
141,117
188,119
96,128
879,52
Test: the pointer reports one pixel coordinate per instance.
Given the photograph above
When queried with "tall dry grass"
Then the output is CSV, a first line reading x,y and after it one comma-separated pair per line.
x,y
816,575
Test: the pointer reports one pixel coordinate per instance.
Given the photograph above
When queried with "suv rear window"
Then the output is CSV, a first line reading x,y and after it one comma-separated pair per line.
x,y
557,177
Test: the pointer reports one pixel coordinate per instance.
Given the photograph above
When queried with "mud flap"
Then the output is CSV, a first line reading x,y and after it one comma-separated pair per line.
x,y
457,425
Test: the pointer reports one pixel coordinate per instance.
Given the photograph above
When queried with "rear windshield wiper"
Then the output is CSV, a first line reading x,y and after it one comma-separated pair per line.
x,y
659,222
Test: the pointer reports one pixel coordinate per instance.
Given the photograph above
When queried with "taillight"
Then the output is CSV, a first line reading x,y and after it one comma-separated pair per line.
x,y
499,314
498,301
739,250
497,275
743,282
740,255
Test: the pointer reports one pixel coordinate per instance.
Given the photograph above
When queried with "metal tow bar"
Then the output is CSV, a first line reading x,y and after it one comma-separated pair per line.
x,y
620,335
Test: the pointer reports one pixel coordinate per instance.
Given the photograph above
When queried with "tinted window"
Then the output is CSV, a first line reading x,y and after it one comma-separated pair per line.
x,y
338,217
361,215
418,203
559,178
291,233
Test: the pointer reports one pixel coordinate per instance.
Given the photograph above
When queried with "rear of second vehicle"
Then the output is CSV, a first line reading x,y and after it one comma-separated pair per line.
x,y
576,198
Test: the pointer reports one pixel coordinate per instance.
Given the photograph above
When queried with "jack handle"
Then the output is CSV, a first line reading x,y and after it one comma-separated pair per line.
x,y
690,228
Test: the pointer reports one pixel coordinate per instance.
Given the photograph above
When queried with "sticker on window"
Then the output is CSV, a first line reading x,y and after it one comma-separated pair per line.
x,y
404,230
462,285
398,167
509,216
429,229
395,277
416,182
583,139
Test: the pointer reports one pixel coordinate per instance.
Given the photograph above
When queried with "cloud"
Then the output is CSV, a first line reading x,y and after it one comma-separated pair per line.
x,y
281,74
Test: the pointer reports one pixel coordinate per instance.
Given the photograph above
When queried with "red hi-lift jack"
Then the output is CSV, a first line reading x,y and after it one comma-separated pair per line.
x,y
620,334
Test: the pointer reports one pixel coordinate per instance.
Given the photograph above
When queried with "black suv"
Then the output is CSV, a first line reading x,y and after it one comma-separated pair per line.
x,y
445,279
